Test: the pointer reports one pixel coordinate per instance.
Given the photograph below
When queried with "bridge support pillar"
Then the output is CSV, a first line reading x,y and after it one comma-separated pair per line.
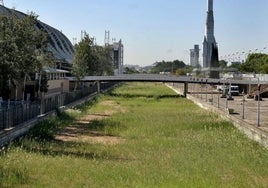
x,y
98,86
185,89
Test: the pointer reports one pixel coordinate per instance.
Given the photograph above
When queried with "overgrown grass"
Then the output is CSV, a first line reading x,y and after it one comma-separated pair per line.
x,y
168,142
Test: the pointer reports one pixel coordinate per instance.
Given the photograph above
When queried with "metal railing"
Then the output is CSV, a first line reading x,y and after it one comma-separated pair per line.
x,y
13,114
251,110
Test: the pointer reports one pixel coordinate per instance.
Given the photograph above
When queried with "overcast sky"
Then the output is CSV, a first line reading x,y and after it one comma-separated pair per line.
x,y
156,30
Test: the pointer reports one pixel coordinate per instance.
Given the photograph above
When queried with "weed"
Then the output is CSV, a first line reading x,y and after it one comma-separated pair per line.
x,y
168,142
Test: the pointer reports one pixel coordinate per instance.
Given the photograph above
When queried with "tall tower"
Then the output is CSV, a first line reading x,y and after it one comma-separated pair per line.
x,y
209,39
194,56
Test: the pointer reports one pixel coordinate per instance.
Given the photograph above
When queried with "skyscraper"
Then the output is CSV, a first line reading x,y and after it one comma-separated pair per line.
x,y
209,39
194,56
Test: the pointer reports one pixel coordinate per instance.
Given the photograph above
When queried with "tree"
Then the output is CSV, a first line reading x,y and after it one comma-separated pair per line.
x,y
20,45
104,60
184,71
7,51
131,70
264,68
91,59
255,63
235,65
32,49
223,64
83,58
169,66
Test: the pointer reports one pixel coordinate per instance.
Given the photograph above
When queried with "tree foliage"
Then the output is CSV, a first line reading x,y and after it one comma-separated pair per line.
x,y
223,64
83,58
256,63
184,71
103,60
91,59
169,66
130,70
20,46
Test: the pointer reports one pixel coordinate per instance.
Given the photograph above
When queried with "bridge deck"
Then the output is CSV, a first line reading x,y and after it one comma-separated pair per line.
x,y
162,78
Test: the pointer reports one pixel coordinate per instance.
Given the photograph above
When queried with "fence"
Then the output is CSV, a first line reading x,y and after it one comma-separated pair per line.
x,y
14,115
250,110
17,113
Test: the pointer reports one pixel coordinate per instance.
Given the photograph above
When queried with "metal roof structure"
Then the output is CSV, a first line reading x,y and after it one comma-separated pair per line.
x,y
59,45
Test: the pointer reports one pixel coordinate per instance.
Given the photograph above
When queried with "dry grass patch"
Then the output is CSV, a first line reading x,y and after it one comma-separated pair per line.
x,y
82,132
112,107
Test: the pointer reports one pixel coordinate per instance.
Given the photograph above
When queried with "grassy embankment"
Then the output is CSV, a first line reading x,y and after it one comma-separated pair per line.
x,y
139,136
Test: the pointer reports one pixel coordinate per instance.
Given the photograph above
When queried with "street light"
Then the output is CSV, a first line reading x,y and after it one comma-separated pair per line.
x,y
262,49
259,90
243,105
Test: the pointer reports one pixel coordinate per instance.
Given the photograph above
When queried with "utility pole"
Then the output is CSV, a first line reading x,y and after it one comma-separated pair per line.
x,y
2,2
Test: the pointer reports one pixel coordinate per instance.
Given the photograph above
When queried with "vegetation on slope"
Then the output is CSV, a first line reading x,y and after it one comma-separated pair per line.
x,y
140,135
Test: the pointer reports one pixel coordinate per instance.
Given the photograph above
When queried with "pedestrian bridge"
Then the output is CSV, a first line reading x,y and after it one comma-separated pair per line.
x,y
163,78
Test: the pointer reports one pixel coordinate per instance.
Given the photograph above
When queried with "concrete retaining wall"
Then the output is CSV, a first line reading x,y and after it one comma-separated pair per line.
x,y
250,131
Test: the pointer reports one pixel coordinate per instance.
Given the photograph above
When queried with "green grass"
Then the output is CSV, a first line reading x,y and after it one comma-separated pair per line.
x,y
167,142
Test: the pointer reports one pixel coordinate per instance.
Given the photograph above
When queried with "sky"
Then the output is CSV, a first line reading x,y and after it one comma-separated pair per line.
x,y
156,30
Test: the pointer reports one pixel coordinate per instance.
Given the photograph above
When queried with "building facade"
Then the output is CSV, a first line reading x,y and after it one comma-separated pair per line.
x,y
118,57
194,56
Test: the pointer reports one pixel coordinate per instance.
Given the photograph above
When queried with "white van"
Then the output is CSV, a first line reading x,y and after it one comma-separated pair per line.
x,y
225,89
234,90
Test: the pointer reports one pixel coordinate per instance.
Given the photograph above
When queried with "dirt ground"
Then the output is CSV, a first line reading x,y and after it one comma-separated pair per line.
x,y
81,131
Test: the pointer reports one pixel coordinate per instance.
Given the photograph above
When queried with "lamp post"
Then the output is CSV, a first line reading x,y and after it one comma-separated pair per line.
x,y
227,106
259,89
219,96
201,89
243,105
206,90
